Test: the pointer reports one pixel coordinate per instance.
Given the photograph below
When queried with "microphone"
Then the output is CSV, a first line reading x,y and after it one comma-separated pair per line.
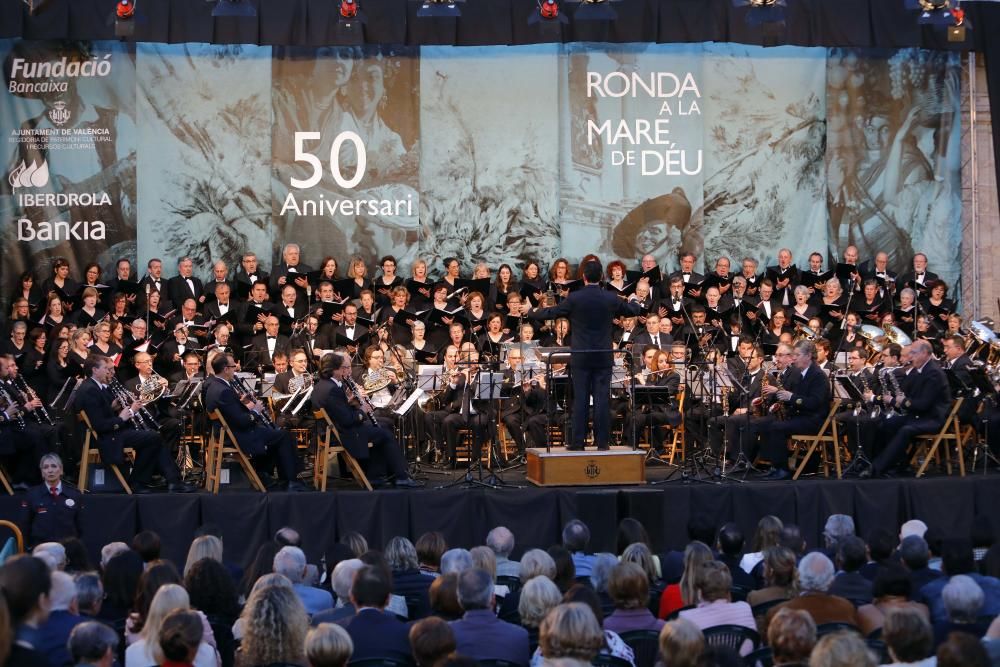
x,y
147,289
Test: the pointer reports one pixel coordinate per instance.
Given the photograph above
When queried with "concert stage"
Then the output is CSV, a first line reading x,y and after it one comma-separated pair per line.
x,y
536,515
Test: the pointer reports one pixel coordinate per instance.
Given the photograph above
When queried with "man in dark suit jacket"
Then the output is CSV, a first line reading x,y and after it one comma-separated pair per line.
x,y
385,457
849,583
807,407
479,634
927,401
374,633
267,344
116,432
590,311
247,275
155,281
266,446
185,285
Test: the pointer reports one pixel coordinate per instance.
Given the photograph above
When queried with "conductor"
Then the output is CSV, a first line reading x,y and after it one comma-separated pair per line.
x,y
590,311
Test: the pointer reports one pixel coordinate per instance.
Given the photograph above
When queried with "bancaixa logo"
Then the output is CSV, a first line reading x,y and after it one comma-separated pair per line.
x,y
29,175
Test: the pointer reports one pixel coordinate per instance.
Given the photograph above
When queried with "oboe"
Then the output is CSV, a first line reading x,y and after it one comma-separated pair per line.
x,y
366,403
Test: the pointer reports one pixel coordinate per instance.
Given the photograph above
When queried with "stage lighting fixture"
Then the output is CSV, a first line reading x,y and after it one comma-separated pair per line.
x,y
763,11
350,24
238,8
548,17
595,10
439,8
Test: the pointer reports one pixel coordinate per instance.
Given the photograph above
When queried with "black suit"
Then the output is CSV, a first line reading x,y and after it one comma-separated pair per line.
x,y
644,338
909,279
379,635
263,355
162,286
265,445
212,311
115,435
356,431
243,279
524,412
806,410
180,291
927,403
590,311
652,416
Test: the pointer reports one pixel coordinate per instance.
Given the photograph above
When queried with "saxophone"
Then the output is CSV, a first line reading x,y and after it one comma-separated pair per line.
x,y
758,405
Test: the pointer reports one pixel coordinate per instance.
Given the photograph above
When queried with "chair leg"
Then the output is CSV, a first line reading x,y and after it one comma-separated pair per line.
x,y
251,473
836,449
84,464
121,479
355,468
931,452
217,461
6,484
958,451
805,459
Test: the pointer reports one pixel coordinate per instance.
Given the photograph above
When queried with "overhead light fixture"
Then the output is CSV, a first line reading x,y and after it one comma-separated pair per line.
x,y
124,13
439,8
238,8
595,10
763,11
350,24
549,18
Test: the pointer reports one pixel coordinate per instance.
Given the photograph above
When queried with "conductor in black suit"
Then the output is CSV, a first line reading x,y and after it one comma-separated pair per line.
x,y
384,458
590,311
806,406
116,433
266,446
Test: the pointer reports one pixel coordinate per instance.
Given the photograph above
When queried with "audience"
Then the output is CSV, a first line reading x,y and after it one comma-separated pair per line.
x,y
842,649
957,559
290,562
715,606
681,644
341,580
614,646
962,650
479,633
685,593
145,650
432,641
375,633
456,560
501,541
538,597
63,617
25,583
565,567
407,579
570,636
892,589
730,546
849,583
203,546
93,643
328,645
908,637
576,538
180,639
963,601
815,576
791,636
274,627
767,535
89,595
838,526
430,547
915,556
629,590
780,574
444,597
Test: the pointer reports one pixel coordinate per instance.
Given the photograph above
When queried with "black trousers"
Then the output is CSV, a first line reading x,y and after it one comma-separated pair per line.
x,y
385,458
480,423
775,447
151,456
20,454
279,453
591,382
897,433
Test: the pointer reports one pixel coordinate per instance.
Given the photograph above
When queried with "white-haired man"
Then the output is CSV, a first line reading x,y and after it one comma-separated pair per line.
x,y
291,562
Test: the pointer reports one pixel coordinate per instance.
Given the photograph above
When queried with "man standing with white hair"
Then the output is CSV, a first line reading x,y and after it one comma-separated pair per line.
x,y
501,541
816,574
54,633
291,562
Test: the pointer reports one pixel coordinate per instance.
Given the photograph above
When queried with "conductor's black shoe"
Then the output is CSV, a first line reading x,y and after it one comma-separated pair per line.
x,y
180,487
408,483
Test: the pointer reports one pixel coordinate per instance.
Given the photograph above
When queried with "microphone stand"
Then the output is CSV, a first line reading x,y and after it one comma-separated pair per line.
x,y
843,335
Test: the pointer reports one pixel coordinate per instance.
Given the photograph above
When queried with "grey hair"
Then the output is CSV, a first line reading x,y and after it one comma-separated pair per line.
x,y
800,289
837,526
815,572
63,591
343,576
914,552
290,562
53,553
538,597
90,641
536,562
600,571
112,549
456,560
475,589
576,535
401,554
89,591
501,540
51,457
962,598
908,291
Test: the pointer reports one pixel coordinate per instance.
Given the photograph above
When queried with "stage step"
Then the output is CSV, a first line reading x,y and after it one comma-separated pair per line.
x,y
559,467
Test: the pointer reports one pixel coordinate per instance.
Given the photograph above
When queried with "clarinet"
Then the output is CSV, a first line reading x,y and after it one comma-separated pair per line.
x,y
4,396
125,399
366,403
41,414
242,389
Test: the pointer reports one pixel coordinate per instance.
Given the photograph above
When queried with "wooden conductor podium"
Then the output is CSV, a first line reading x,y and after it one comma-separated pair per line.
x,y
560,467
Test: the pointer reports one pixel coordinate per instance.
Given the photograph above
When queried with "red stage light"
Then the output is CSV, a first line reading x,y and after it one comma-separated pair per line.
x,y
125,9
348,9
549,9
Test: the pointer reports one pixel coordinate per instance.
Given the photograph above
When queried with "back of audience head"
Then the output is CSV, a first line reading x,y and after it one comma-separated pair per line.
x,y
628,586
203,546
600,571
501,541
914,527
536,562
791,634
110,550
287,537
842,649
263,563
640,554
356,542
962,650
780,567
328,645
718,655
431,640
475,590
93,643
587,596
26,583
52,553
77,559
538,596
121,579
575,536
631,531
89,593
892,581
701,528
714,581
791,537
291,562
343,577
570,631
837,526
907,635
146,543
180,636
681,643
815,572
881,545
565,568
212,589
371,587
767,533
158,573
730,540
169,598
274,626
963,598
455,560
914,553
401,555
444,597
852,553
695,554
430,547
483,558
62,595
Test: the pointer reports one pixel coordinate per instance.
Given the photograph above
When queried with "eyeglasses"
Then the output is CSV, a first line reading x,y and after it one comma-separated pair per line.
x,y
231,366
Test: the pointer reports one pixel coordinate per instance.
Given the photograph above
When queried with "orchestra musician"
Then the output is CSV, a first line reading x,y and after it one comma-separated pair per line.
x,y
656,371
523,413
298,372
464,409
146,381
380,383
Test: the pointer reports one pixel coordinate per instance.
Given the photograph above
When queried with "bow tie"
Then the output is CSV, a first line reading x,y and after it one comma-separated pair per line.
x,y
685,274
920,275
272,337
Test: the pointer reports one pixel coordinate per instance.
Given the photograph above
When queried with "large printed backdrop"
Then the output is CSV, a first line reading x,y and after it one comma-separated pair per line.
x,y
488,154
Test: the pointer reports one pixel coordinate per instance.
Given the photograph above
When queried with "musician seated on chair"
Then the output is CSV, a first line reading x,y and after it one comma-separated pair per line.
x,y
267,447
465,410
729,431
650,412
19,451
292,385
118,428
380,383
149,385
524,411
806,408
37,429
385,457
858,421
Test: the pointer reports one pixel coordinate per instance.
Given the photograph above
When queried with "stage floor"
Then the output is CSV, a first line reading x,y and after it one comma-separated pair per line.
x,y
535,515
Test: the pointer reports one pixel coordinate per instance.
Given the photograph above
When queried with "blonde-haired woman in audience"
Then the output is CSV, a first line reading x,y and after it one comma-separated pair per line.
x,y
485,559
685,594
681,644
274,628
570,636
146,650
538,597
204,546
328,645
272,579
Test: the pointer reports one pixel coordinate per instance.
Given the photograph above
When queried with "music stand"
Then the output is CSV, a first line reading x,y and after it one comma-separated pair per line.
x,y
844,389
649,395
429,381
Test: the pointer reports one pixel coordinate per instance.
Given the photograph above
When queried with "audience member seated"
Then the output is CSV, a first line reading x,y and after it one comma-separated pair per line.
x,y
715,606
483,558
730,545
456,560
815,576
766,536
685,593
613,644
640,554
120,581
432,641
915,556
570,636
534,563
882,546
842,649
212,591
479,634
444,597
957,558
180,639
93,643
791,636
274,627
780,573
430,547
25,582
700,528
849,583
892,589
328,645
501,541
963,602
538,597
681,644
146,649
407,579
89,595
629,590
376,634
565,567
631,531
908,638
576,538
158,573
63,617
604,563
962,650
838,526
264,581
341,579
291,562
